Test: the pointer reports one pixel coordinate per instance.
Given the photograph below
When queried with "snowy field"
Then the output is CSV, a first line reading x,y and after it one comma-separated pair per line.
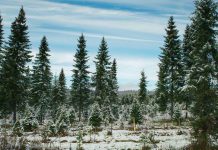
x,y
166,136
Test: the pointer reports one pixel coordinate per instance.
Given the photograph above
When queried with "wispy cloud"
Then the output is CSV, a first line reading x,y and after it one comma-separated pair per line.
x,y
157,7
134,31
129,69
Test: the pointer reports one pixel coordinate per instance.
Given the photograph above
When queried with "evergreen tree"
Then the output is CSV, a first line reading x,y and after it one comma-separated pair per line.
x,y
108,113
143,89
113,97
1,41
172,68
187,63
202,77
161,92
79,139
14,66
135,114
55,97
2,104
101,76
41,80
81,82
187,48
95,118
58,94
28,93
62,87
113,89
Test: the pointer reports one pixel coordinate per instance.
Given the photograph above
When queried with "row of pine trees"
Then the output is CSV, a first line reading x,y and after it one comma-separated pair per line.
x,y
188,74
189,71
22,86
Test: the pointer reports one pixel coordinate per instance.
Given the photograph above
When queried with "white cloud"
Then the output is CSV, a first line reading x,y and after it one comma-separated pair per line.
x,y
129,69
60,22
99,36
41,12
62,58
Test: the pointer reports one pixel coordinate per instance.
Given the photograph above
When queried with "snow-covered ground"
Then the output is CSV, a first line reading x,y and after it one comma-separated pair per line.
x,y
120,139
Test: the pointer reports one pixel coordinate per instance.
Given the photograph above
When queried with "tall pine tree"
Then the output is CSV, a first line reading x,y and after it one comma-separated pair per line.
x,y
1,41
81,81
135,114
62,87
170,68
142,94
202,77
41,80
113,97
55,97
101,76
95,119
187,49
161,92
58,93
2,103
14,66
113,90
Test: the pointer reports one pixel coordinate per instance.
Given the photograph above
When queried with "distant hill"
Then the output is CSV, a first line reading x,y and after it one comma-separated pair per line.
x,y
121,93
127,92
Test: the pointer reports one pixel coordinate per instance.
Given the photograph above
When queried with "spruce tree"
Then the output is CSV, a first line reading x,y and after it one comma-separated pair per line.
x,y
14,66
113,97
1,41
28,93
62,87
108,113
55,97
202,77
58,94
187,48
187,64
161,92
135,114
172,68
41,80
95,118
81,82
2,105
113,89
142,94
101,76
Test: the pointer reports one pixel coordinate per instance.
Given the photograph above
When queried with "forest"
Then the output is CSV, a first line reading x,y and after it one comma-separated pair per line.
x,y
39,111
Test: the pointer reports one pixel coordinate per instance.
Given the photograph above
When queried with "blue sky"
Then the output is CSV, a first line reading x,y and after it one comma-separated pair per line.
x,y
134,30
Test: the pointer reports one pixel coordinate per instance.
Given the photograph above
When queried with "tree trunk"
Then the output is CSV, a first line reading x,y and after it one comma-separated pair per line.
x,y
171,109
79,114
186,113
15,112
41,115
111,128
134,126
5,120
